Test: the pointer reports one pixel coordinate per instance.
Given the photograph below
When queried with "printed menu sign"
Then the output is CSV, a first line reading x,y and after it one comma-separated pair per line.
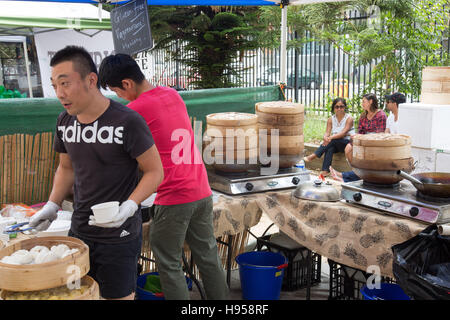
x,y
131,28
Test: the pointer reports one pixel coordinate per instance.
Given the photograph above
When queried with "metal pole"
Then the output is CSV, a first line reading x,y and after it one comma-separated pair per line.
x,y
30,89
283,54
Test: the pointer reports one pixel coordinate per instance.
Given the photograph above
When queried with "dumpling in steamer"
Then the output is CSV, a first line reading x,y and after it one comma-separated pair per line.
x,y
22,257
37,249
44,257
69,252
59,250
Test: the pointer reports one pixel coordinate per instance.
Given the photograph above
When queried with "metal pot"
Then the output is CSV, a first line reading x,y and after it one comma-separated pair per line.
x,y
434,184
378,176
316,190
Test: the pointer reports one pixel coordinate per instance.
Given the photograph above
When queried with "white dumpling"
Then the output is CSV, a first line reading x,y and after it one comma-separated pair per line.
x,y
13,260
9,260
37,249
23,257
59,250
69,252
44,257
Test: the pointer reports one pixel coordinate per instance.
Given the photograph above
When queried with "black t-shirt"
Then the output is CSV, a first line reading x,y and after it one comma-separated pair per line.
x,y
103,155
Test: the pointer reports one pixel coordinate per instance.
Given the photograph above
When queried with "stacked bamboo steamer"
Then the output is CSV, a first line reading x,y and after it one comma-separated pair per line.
x,y
36,279
288,118
436,85
378,156
231,141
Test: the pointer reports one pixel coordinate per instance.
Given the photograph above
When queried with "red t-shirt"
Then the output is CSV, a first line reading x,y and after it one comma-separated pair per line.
x,y
185,177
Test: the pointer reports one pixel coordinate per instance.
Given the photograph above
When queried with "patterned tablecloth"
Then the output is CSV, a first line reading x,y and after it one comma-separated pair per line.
x,y
355,236
348,234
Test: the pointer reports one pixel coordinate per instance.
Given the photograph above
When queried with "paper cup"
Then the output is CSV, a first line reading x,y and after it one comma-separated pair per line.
x,y
105,212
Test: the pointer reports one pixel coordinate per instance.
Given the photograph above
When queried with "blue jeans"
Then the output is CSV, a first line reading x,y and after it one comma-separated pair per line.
x,y
350,176
335,146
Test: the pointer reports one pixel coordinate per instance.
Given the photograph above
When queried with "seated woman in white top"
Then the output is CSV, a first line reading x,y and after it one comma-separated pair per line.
x,y
392,102
337,135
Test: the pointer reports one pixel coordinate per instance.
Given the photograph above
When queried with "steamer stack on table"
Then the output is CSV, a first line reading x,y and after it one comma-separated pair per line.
x,y
378,156
50,280
436,85
235,141
288,118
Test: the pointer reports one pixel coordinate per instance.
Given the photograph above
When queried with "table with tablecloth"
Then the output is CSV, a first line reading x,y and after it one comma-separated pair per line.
x,y
351,235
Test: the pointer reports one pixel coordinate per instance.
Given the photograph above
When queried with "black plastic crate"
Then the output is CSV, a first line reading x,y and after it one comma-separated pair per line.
x,y
295,275
346,282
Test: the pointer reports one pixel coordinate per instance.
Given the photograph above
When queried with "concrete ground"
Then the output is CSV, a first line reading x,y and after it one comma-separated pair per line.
x,y
318,291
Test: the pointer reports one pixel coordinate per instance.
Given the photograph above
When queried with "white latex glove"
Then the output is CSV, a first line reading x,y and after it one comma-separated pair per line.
x,y
48,212
126,210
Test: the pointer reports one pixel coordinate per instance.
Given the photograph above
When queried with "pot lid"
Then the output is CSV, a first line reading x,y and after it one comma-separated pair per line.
x,y
316,190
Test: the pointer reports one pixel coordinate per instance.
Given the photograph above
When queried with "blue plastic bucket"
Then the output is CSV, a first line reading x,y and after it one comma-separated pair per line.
x,y
387,291
142,294
261,274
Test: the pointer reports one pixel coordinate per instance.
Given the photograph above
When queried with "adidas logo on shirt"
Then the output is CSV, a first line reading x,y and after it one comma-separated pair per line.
x,y
91,134
124,233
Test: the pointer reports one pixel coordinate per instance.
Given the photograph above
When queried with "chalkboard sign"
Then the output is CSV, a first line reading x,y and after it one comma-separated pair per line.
x,y
131,28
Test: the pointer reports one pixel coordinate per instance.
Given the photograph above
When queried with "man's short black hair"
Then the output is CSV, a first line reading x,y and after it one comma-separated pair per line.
x,y
396,97
82,60
115,68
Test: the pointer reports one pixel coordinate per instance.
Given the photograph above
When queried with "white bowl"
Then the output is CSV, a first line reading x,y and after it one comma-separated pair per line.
x,y
106,211
56,228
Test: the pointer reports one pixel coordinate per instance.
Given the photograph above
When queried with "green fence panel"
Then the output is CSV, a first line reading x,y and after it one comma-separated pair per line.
x,y
34,115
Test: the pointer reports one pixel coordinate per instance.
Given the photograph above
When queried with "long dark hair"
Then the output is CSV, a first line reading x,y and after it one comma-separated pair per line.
x,y
335,101
374,103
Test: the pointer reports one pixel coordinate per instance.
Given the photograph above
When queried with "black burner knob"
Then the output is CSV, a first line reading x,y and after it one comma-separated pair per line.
x,y
249,186
357,197
295,180
414,211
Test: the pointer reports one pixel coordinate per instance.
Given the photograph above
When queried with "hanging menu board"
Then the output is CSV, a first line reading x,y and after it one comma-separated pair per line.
x,y
131,28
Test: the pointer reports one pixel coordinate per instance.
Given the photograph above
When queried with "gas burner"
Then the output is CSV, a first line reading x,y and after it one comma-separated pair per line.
x,y
379,185
403,200
232,175
425,197
285,170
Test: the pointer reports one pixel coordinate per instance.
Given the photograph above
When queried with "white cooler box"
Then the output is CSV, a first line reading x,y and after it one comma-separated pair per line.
x,y
443,161
424,159
427,124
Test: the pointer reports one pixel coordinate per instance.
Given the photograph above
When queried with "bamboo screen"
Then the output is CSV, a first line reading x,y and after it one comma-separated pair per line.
x,y
28,163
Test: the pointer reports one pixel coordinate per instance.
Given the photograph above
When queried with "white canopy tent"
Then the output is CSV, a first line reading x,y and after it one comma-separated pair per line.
x,y
19,19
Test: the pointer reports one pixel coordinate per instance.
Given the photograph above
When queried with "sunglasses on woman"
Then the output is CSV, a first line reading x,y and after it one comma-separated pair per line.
x,y
339,107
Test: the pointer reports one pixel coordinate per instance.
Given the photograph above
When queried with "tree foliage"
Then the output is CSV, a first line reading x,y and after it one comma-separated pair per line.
x,y
402,35
212,38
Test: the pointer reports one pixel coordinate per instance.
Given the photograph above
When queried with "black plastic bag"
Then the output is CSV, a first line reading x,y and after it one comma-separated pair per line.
x,y
422,265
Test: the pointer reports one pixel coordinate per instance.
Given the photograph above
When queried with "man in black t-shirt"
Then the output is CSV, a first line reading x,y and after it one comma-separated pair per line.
x,y
102,146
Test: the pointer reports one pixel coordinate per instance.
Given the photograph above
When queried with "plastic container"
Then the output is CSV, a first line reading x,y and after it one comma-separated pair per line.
x,y
387,291
261,274
142,294
104,212
300,165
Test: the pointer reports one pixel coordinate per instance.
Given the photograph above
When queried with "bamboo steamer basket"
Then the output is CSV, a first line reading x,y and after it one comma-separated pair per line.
x,y
296,130
436,85
378,156
381,146
45,275
230,143
280,119
231,133
280,107
288,118
93,292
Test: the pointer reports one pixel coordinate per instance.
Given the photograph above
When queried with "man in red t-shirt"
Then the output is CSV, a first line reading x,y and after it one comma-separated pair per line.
x,y
183,208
